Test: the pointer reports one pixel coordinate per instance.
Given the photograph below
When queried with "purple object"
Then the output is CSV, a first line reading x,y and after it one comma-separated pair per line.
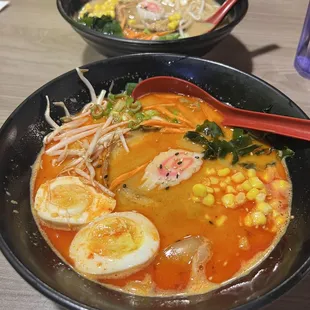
x,y
302,59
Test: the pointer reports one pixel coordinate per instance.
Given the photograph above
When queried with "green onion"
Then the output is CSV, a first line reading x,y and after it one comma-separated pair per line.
x,y
96,111
130,87
135,106
111,97
108,108
149,114
119,106
129,101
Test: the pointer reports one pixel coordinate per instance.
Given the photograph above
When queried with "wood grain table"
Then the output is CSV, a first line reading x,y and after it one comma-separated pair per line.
x,y
36,45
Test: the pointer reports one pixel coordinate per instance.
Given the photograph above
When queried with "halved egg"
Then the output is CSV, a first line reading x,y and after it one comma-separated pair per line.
x,y
115,245
67,203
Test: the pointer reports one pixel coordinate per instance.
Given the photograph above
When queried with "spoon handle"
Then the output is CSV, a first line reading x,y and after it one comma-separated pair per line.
x,y
217,17
283,125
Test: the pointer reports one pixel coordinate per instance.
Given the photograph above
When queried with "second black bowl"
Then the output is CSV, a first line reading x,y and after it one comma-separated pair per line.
x,y
114,46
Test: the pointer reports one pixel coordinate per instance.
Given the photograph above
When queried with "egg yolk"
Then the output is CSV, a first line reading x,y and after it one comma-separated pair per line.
x,y
114,237
68,195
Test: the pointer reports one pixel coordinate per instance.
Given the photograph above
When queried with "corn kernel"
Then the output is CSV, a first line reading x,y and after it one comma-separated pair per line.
x,y
260,197
251,195
87,6
279,220
97,7
240,198
214,180
223,172
230,189
275,204
175,16
251,173
195,199
248,220
210,171
216,190
131,22
269,174
238,177
227,180
173,25
200,190
244,243
256,182
275,213
258,218
208,200
281,186
229,200
223,184
221,220
239,188
210,190
246,185
264,207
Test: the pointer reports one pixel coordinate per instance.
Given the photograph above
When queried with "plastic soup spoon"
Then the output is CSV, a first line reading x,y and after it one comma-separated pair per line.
x,y
283,125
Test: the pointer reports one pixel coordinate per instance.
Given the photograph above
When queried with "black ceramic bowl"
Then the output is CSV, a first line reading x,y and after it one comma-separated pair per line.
x,y
21,140
114,46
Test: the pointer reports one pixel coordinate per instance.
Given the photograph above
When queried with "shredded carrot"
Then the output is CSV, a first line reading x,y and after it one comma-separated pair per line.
x,y
169,114
187,111
174,130
126,176
132,34
155,122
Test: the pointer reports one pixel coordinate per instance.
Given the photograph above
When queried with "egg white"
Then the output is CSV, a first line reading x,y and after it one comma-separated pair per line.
x,y
110,266
67,203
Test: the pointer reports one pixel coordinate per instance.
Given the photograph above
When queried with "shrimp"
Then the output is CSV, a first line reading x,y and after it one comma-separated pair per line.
x,y
171,168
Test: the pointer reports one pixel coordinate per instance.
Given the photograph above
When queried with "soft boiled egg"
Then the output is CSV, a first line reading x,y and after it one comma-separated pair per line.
x,y
115,245
67,203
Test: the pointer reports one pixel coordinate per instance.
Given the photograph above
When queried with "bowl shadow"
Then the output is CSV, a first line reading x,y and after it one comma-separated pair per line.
x,y
234,53
230,51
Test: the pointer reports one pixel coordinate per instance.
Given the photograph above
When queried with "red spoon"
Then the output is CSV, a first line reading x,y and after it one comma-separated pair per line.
x,y
218,16
283,125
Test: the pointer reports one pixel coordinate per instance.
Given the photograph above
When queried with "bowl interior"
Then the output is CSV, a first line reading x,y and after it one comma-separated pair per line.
x,y
21,140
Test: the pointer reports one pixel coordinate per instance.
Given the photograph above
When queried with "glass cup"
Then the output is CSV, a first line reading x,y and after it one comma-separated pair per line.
x,y
302,59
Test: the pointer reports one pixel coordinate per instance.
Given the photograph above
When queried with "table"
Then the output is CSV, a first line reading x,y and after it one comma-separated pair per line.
x,y
36,45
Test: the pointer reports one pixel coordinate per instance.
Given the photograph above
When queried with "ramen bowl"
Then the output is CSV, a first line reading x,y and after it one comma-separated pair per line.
x,y
114,46
21,140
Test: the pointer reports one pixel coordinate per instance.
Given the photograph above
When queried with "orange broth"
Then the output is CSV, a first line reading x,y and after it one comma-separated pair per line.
x,y
175,214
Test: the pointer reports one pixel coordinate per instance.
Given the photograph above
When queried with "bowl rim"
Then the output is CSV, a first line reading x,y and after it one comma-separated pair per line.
x,y
213,34
70,303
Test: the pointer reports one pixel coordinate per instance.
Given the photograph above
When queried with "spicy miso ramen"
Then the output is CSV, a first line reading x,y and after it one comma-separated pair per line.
x,y
149,19
155,197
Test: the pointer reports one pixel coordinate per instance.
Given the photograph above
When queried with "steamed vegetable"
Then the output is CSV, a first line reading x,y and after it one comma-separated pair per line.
x,y
104,24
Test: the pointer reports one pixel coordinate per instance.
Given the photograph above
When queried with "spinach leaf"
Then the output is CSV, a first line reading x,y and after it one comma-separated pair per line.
x,y
237,133
196,137
104,24
247,150
285,152
170,36
242,141
210,129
